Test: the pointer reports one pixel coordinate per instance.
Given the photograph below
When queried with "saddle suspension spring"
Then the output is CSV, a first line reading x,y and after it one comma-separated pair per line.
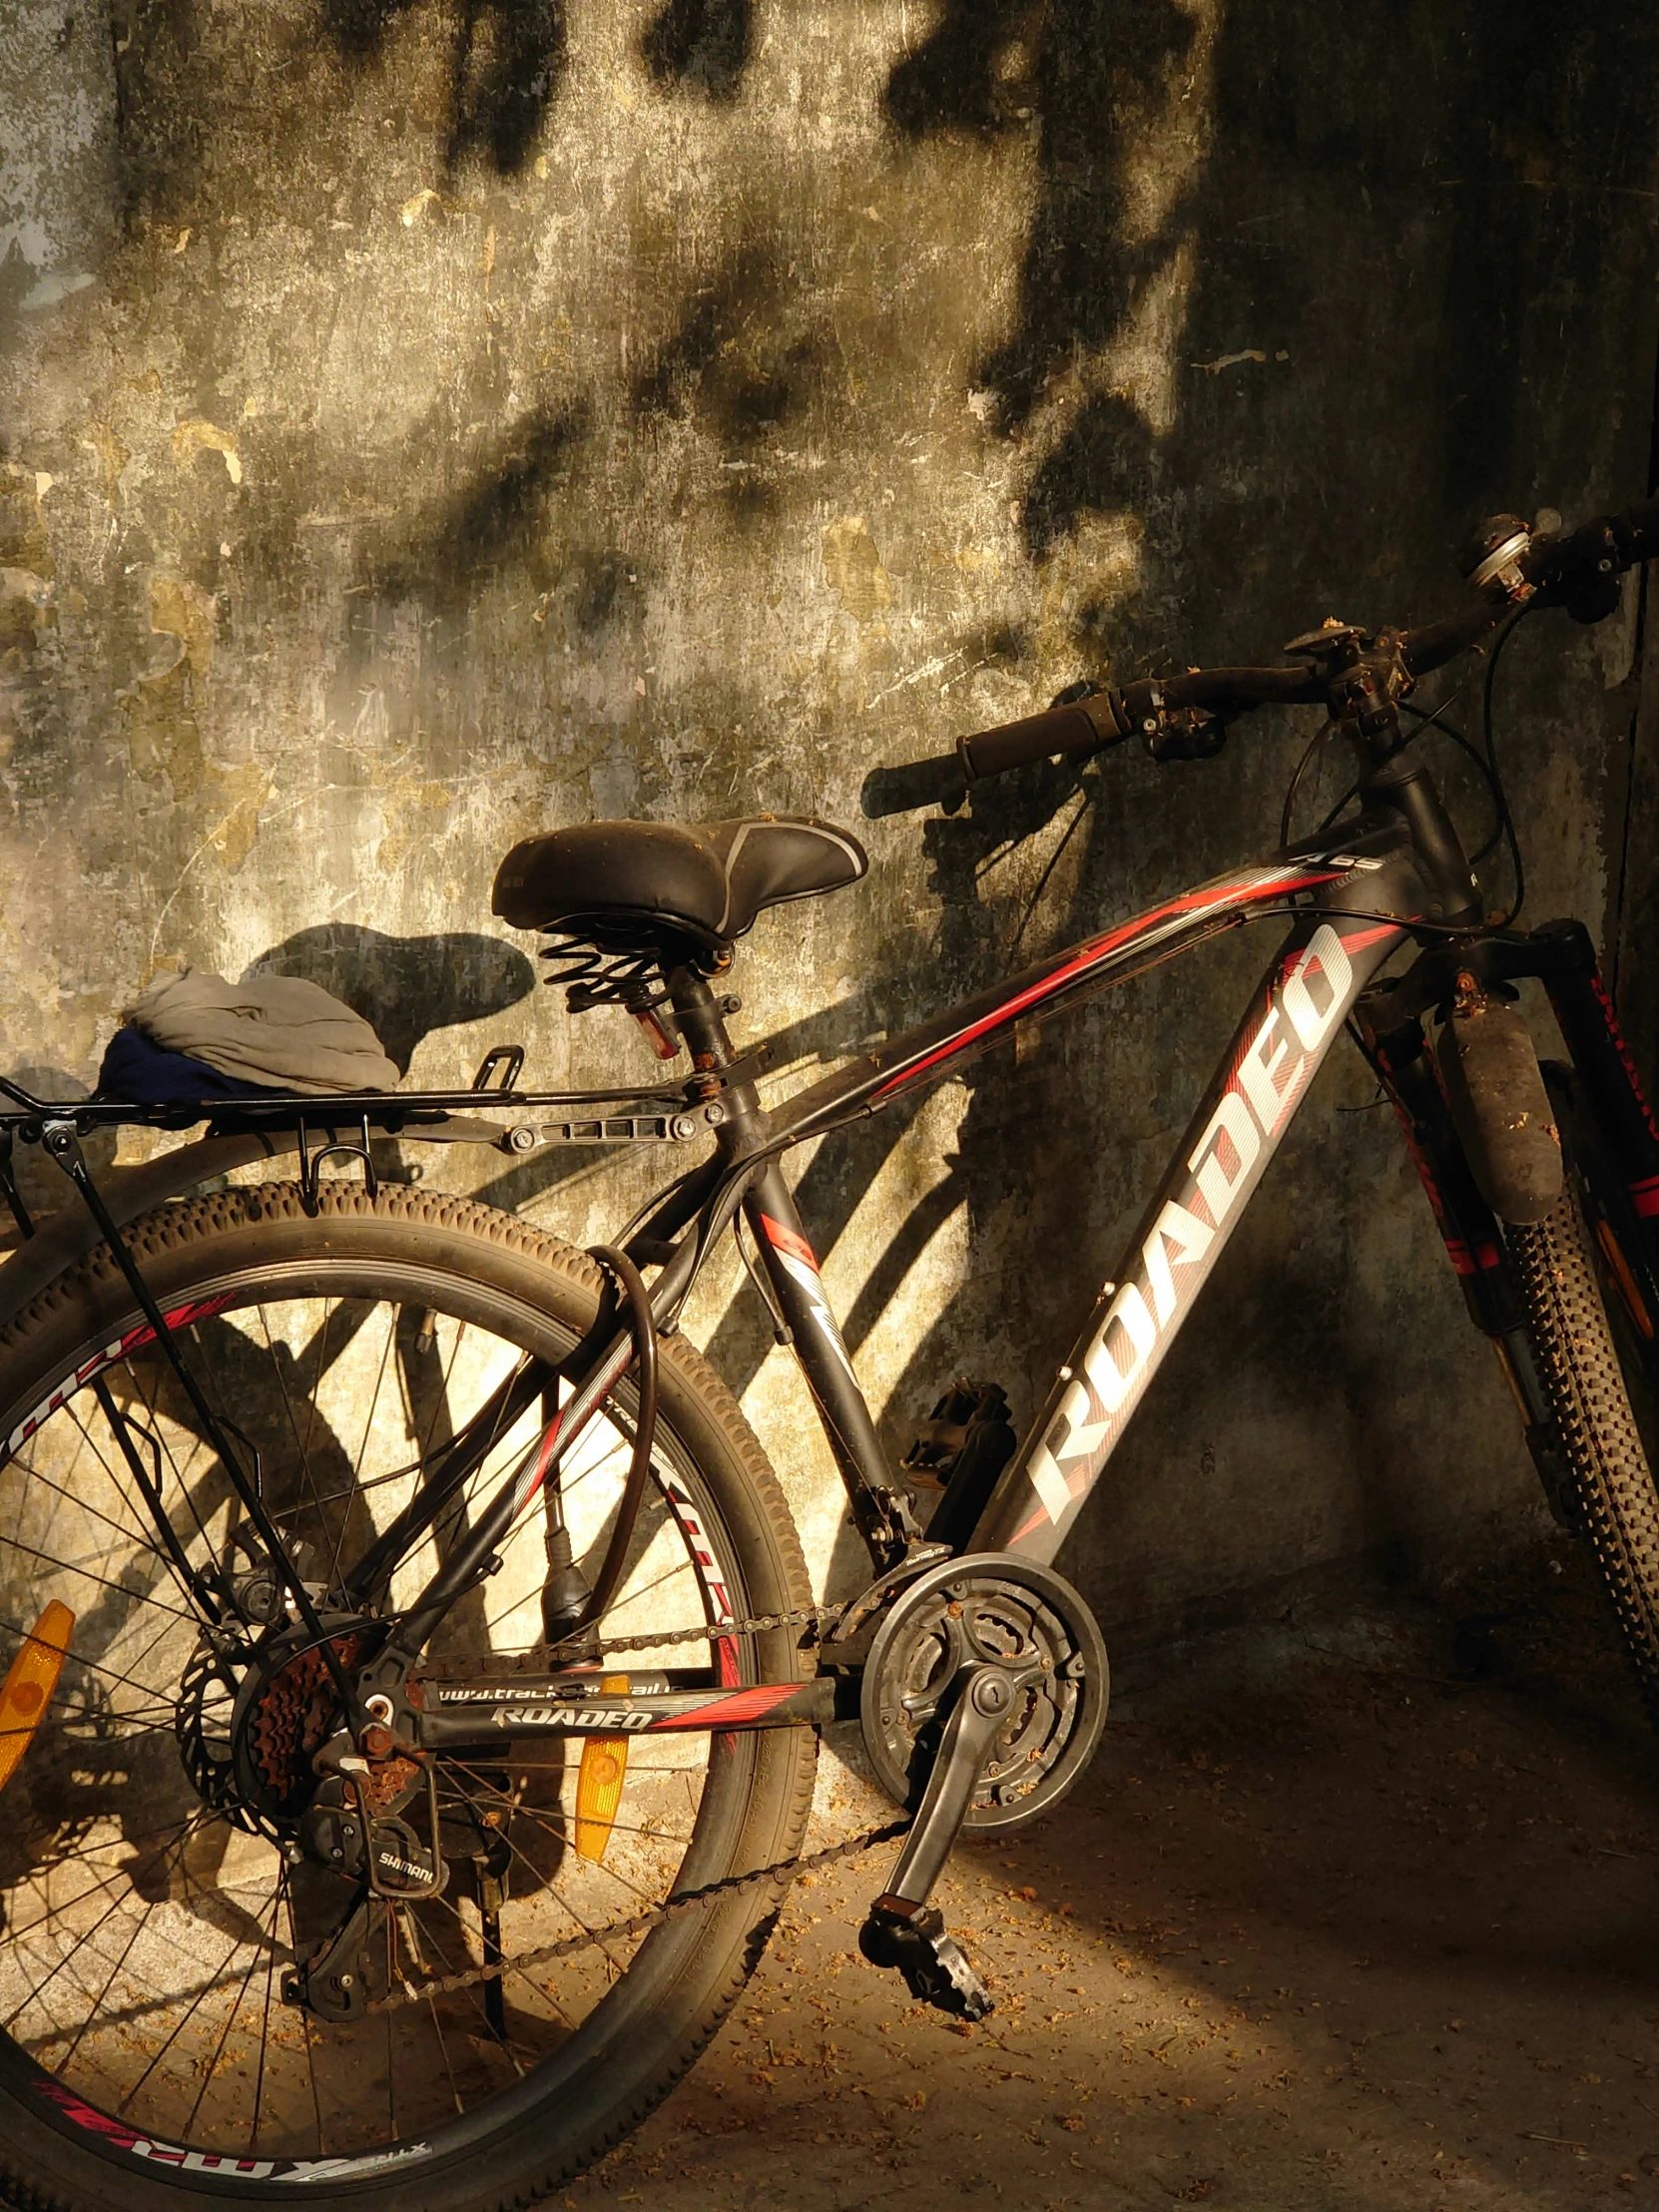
x,y
593,976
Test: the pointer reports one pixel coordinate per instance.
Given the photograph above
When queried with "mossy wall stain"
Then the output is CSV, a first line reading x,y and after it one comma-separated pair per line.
x,y
420,424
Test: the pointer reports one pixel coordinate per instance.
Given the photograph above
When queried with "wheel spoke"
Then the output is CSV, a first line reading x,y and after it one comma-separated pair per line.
x,y
150,1929
230,2012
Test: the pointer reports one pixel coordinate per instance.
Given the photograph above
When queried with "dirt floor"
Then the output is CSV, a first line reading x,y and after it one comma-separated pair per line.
x,y
1356,1909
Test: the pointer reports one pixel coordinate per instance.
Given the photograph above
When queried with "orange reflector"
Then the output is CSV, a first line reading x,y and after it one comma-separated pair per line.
x,y
599,1782
30,1680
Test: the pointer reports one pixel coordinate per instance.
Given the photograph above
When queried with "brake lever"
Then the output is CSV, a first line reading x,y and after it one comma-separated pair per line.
x,y
1188,733
1172,733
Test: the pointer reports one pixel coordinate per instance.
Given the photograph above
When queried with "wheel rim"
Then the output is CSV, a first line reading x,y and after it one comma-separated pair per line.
x,y
146,1924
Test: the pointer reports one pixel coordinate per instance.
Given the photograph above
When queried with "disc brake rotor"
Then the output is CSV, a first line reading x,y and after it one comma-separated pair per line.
x,y
202,1724
998,1608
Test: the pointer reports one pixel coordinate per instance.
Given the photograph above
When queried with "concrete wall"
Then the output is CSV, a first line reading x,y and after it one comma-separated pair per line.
x,y
427,420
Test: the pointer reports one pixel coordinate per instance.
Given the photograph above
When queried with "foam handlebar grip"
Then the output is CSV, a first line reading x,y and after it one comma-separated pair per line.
x,y
1082,727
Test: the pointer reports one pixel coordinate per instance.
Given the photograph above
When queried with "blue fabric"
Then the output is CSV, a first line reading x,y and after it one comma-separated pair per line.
x,y
137,1068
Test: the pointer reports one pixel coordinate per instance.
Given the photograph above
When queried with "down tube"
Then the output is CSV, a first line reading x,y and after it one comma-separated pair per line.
x,y
1295,1015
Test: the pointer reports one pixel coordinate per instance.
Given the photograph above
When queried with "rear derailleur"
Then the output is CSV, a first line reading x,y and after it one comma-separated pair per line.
x,y
367,1843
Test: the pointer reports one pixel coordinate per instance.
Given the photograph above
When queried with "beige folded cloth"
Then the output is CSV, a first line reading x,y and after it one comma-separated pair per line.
x,y
278,1030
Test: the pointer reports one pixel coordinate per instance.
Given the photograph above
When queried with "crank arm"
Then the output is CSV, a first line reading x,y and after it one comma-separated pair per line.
x,y
902,1930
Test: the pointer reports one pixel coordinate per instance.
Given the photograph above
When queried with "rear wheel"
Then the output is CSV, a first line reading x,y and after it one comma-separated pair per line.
x,y
1586,1316
152,1906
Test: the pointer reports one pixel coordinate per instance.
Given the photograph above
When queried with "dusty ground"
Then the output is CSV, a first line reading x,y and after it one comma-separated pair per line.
x,y
1356,1909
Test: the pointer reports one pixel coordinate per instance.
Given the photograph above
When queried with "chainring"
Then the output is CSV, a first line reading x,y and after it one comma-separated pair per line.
x,y
987,1606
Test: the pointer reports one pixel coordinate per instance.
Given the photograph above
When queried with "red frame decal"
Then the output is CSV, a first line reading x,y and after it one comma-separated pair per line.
x,y
1233,893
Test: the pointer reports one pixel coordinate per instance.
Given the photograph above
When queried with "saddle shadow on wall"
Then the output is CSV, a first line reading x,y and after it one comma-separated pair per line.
x,y
404,987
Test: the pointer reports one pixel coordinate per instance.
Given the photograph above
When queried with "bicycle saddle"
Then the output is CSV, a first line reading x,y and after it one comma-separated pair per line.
x,y
618,883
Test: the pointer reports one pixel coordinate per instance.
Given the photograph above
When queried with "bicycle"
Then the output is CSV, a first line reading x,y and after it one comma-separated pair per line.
x,y
408,1733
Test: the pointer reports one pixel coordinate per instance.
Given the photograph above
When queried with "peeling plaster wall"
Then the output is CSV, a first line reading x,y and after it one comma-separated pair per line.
x,y
422,421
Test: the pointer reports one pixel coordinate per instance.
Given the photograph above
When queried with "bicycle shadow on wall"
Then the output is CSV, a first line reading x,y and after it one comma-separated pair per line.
x,y
1228,260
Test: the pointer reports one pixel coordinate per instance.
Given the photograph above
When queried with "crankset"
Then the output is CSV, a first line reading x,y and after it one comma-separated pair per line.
x,y
985,1695
998,1609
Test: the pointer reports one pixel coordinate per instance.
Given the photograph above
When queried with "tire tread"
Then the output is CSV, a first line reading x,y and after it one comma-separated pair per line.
x,y
448,1227
1579,1366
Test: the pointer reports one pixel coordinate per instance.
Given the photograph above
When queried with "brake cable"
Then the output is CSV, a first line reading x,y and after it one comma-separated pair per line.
x,y
642,1328
1507,823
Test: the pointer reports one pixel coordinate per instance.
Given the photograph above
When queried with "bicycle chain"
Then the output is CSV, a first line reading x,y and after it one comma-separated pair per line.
x,y
641,1923
546,1658
820,1617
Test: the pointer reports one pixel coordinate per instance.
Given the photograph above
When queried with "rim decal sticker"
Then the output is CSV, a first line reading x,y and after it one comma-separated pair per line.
x,y
121,2135
182,1317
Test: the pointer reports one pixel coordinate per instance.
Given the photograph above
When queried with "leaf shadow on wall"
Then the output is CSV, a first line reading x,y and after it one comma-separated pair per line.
x,y
506,58
959,78
746,357
1294,147
496,518
986,70
704,45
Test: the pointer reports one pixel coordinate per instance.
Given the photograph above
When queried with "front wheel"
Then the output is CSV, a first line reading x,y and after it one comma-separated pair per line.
x,y
151,1908
1585,1320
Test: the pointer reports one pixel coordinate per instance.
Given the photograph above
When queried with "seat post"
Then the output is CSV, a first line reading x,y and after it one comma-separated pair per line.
x,y
701,1016
702,1021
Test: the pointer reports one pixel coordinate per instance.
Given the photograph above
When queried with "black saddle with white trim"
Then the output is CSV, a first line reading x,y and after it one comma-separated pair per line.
x,y
621,884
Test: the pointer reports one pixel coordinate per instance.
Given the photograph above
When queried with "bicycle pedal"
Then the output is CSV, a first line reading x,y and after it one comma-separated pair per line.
x,y
937,1446
912,1938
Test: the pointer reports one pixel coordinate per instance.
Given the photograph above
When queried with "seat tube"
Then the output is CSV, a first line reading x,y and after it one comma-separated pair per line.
x,y
881,1511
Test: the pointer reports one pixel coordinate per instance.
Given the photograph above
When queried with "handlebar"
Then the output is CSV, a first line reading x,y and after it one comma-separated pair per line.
x,y
1185,717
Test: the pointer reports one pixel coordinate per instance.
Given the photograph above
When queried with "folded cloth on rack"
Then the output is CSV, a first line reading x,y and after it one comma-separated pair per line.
x,y
276,1031
137,1068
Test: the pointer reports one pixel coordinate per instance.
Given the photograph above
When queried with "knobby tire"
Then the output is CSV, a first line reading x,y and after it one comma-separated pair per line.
x,y
1584,1378
421,1253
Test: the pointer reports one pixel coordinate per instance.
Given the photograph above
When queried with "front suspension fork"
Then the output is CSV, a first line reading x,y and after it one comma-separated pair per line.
x,y
1470,1232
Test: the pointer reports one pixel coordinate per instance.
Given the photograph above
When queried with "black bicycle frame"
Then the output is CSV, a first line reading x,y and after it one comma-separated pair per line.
x,y
1352,904
1334,944
1343,901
